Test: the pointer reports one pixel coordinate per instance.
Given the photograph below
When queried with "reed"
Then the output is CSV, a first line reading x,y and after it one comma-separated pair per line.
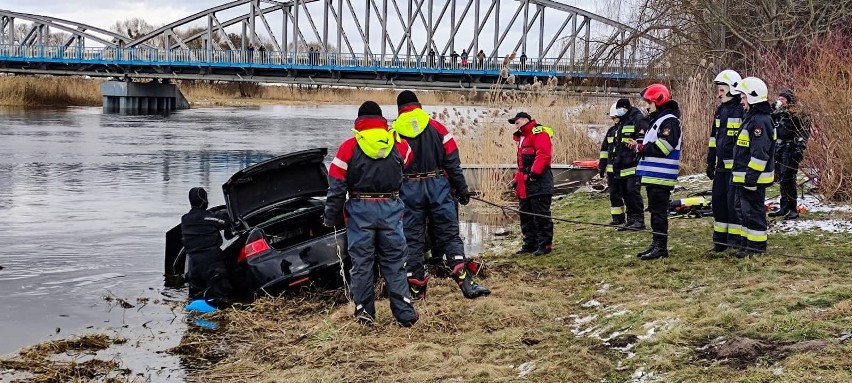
x,y
49,91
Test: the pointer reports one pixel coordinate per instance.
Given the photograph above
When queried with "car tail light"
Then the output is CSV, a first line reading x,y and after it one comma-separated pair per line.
x,y
253,248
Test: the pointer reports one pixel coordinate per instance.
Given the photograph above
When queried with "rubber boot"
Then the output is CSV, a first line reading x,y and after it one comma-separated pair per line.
x,y
469,289
792,214
719,248
363,317
418,288
617,219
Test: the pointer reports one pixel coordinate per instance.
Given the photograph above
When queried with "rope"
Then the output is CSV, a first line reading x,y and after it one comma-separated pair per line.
x,y
504,208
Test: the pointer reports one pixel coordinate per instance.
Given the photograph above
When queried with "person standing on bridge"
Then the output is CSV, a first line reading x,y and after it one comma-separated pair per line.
x,y
369,167
431,182
727,230
534,183
660,163
480,56
464,58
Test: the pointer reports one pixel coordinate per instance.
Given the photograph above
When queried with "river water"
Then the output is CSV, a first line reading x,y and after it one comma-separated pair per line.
x,y
86,199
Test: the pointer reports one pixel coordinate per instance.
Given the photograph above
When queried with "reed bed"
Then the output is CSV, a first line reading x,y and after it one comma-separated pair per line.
x,y
49,91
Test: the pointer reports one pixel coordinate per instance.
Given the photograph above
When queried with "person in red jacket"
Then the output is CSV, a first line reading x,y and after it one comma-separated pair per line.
x,y
368,167
534,183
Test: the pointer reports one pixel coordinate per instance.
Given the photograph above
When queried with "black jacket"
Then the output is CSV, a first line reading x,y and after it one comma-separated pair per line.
x,y
754,154
723,135
631,126
200,229
793,133
606,149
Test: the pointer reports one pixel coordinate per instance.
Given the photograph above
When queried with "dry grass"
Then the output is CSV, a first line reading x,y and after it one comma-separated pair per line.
x,y
67,360
697,105
49,91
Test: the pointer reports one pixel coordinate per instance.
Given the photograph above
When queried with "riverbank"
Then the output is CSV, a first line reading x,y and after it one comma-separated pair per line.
x,y
589,311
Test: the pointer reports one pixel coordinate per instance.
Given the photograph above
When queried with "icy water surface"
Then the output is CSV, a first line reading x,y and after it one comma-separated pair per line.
x,y
86,199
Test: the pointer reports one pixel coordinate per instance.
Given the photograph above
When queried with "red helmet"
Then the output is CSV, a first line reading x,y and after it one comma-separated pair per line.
x,y
657,94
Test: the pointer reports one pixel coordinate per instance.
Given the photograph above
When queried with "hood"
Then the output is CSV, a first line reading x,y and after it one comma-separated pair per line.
x,y
296,175
411,123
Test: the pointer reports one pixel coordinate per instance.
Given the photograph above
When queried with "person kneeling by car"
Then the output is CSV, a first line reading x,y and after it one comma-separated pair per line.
x,y
369,167
208,276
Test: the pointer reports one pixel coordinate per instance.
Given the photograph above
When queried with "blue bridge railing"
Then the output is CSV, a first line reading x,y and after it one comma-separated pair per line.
x,y
541,67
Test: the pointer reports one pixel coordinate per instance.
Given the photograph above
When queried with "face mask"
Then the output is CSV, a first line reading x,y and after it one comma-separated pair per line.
x,y
620,112
778,104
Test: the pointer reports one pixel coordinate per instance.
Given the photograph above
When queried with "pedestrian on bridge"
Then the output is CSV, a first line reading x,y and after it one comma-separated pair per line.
x,y
480,56
523,61
464,58
455,59
431,58
433,183
368,167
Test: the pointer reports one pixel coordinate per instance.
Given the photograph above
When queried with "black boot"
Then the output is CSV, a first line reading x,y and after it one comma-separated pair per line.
x,y
661,250
634,223
617,219
792,214
647,250
469,289
363,317
743,253
779,212
719,248
525,250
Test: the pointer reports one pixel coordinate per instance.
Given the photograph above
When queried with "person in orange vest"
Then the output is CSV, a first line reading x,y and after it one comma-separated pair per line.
x,y
369,168
534,183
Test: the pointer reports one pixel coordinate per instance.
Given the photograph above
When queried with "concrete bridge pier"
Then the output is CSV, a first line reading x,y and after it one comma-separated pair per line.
x,y
141,98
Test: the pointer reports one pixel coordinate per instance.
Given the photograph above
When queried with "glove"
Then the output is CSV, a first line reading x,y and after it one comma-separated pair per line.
x,y
463,199
711,172
533,177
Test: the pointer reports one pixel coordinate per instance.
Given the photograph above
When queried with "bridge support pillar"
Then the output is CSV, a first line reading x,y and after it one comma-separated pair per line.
x,y
141,98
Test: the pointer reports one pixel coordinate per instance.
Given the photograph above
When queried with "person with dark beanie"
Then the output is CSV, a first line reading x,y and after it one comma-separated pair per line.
x,y
208,276
793,129
369,168
432,184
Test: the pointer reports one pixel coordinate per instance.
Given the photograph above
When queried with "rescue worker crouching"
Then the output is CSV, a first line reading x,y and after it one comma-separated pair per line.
x,y
534,183
369,167
208,275
660,163
431,182
754,162
631,125
793,129
727,230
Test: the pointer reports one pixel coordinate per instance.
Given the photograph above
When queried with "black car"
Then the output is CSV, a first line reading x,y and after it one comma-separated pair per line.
x,y
276,239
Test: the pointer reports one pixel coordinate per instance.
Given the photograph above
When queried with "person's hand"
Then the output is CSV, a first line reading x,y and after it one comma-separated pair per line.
x,y
463,199
330,222
533,177
711,172
632,144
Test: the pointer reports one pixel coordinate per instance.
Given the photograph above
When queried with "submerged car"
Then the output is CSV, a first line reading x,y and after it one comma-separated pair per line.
x,y
276,240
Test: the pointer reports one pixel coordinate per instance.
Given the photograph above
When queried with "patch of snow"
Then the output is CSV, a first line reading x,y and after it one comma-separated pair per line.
x,y
617,313
777,370
641,376
584,320
525,369
693,178
591,303
814,205
798,226
604,288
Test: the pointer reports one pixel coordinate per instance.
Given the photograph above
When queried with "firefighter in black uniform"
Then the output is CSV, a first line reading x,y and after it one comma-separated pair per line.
x,y
208,275
632,125
605,168
793,131
727,230
754,162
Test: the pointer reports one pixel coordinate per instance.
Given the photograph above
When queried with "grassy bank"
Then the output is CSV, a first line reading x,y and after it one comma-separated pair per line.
x,y
590,311
49,91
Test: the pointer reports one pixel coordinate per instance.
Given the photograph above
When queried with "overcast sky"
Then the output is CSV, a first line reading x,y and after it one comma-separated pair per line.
x,y
104,13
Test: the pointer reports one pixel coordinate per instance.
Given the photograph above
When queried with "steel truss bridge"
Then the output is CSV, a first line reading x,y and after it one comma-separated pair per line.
x,y
375,43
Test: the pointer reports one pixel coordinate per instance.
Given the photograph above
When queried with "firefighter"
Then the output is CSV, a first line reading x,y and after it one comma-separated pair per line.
x,y
208,276
727,230
660,163
605,168
793,130
754,162
534,183
369,167
432,185
632,125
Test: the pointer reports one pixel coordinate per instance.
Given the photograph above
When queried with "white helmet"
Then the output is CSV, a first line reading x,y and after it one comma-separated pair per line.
x,y
613,110
728,77
754,89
